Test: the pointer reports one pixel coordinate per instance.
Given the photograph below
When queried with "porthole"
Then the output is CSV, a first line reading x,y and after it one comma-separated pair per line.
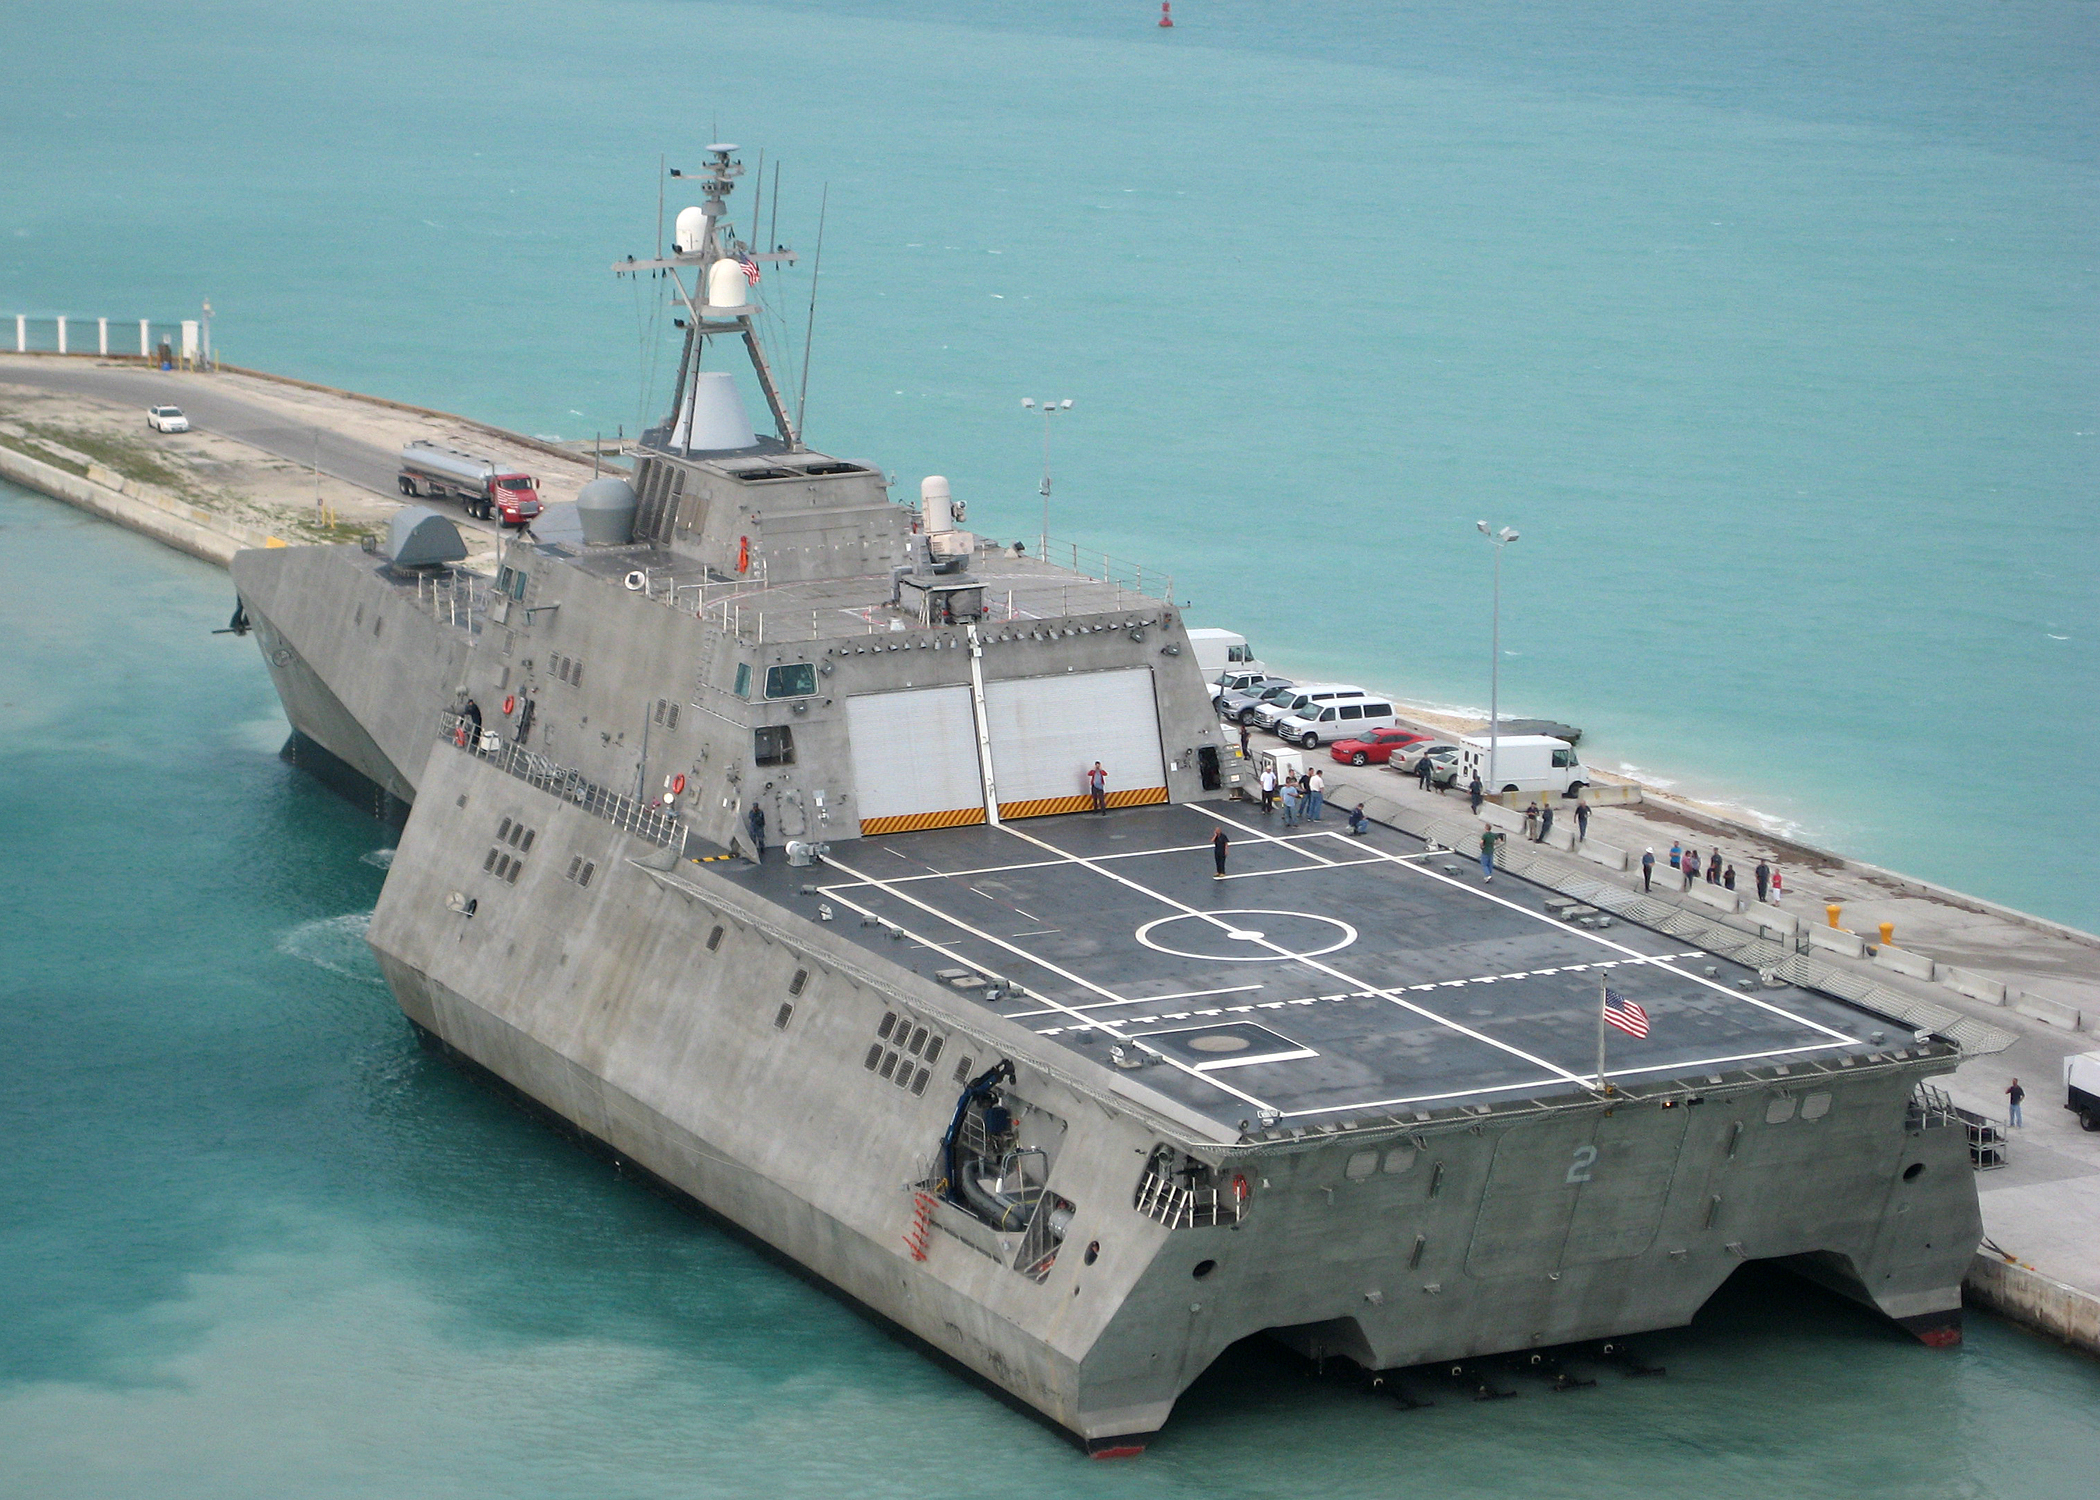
x,y
575,674
918,1084
801,978
782,1015
526,847
1780,1110
933,1050
887,1025
1815,1106
917,1043
517,867
889,1064
903,1078
1093,1251
671,718
962,1071
1400,1159
503,830
575,864
1203,1269
1914,1171
874,1056
489,863
517,832
714,940
589,869
1361,1165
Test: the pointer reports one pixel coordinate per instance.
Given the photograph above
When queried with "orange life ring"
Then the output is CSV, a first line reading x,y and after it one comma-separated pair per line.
x,y
459,736
1239,1188
743,554
678,784
510,703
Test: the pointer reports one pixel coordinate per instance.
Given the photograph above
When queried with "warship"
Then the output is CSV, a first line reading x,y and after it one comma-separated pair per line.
x,y
748,831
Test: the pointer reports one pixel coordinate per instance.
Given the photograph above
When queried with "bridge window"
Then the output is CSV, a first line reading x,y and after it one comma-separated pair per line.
x,y
797,680
773,745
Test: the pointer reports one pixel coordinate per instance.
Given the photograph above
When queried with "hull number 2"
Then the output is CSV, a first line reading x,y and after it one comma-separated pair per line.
x,y
1585,1158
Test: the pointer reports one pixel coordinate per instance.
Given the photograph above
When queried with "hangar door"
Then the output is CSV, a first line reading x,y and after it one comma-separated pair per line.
x,y
1046,732
915,759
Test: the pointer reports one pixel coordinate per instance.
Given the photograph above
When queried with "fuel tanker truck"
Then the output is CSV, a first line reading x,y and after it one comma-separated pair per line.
x,y
429,471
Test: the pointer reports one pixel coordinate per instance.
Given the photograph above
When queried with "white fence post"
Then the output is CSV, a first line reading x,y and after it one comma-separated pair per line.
x,y
102,334
21,334
145,339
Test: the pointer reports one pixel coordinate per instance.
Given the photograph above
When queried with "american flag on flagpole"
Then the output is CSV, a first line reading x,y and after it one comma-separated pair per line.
x,y
750,268
1624,1014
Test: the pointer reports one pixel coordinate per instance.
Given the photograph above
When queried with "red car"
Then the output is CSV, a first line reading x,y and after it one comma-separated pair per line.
x,y
1374,748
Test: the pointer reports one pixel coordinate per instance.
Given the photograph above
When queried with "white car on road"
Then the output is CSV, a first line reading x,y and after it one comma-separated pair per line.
x,y
167,419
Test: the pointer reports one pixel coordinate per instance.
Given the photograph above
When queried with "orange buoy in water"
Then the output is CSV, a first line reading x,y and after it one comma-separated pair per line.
x,y
1166,12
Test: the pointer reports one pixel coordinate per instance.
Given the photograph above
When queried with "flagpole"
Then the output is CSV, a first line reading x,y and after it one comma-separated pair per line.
x,y
1600,1034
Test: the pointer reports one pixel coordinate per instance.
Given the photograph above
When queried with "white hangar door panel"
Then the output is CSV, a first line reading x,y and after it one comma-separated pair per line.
x,y
1046,732
915,759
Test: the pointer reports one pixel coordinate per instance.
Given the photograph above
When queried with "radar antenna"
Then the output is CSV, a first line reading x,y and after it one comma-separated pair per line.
x,y
705,239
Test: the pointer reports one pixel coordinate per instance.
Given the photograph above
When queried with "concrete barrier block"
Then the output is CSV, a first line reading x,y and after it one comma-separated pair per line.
x,y
2054,1012
1604,854
1916,965
1715,896
1837,940
2027,1296
1975,986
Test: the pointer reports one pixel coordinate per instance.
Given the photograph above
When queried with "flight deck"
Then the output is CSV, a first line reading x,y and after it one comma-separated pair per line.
x,y
1326,979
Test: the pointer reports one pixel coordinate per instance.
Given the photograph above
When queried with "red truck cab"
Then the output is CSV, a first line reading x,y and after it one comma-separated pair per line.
x,y
517,498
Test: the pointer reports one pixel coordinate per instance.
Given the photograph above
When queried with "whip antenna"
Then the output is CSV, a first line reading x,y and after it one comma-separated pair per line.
x,y
809,333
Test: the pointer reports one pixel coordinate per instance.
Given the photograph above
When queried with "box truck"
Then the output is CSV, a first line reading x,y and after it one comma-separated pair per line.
x,y
1523,763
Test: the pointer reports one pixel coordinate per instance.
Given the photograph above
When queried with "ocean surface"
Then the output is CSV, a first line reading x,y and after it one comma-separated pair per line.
x,y
1772,326
257,1243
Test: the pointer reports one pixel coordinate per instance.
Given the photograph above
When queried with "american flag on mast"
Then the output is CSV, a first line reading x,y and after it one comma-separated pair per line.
x,y
750,268
1624,1014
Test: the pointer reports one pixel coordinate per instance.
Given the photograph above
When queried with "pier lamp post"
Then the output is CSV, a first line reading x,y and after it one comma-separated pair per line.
x,y
1499,539
1049,410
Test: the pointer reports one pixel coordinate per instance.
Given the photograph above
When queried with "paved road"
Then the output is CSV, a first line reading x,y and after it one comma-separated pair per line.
x,y
222,412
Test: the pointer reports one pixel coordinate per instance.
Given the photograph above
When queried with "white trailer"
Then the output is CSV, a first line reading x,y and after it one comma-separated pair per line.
x,y
1522,763
1218,649
2082,1088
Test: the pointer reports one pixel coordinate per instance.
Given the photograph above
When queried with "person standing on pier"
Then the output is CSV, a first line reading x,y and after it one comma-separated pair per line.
x,y
1676,854
756,822
1713,868
1546,822
2014,1098
1775,885
1425,768
1315,794
1688,866
1728,878
1290,802
1268,788
1475,789
1582,820
1218,844
1245,753
1531,823
1097,784
1763,872
1488,839
1648,869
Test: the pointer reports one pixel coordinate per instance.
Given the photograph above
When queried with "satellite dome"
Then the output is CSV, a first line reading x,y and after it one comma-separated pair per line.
x,y
606,508
690,230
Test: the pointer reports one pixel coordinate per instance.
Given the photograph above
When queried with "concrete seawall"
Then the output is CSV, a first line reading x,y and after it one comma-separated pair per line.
x,y
129,503
2026,1296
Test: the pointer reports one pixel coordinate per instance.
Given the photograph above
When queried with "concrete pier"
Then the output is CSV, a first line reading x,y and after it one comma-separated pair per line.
x,y
276,462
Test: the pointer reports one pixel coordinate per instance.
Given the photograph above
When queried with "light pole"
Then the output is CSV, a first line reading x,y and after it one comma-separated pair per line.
x,y
1049,410
1500,539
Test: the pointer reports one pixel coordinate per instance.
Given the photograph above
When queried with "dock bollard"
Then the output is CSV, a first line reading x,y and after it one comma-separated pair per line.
x,y
1833,909
1888,934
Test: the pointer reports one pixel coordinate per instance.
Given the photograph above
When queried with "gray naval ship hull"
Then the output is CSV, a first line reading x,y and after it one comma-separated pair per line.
x,y
709,1021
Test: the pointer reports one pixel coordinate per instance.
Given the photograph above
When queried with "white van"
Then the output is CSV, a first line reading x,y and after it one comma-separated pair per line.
x,y
1523,763
1320,724
1218,649
1267,715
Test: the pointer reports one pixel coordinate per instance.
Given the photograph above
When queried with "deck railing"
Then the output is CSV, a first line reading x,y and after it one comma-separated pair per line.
x,y
1178,1207
652,823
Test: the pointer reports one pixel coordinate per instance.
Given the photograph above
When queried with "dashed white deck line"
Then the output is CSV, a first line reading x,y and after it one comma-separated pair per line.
x,y
1237,989
1570,929
1393,997
1334,864
1085,1023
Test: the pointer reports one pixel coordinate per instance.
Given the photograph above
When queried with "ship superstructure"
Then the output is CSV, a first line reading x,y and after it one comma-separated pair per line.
x,y
752,836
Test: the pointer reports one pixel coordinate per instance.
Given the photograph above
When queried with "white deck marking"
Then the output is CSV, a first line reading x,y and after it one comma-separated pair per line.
x,y
1084,1022
1311,963
1334,864
1577,932
1237,989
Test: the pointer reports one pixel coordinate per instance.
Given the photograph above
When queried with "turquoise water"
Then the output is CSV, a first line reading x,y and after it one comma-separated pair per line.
x,y
1770,325
256,1243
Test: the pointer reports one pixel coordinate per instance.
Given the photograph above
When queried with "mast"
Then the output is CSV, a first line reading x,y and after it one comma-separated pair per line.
x,y
717,241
